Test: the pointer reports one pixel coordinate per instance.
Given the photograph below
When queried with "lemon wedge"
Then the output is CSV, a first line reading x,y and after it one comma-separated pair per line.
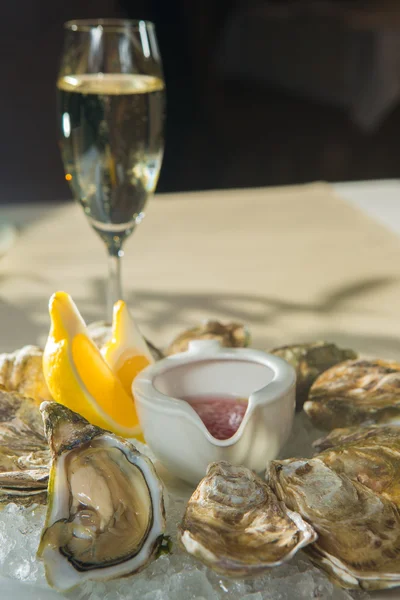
x,y
127,352
78,376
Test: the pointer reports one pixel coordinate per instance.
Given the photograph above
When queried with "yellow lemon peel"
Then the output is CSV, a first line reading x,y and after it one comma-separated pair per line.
x,y
78,376
127,352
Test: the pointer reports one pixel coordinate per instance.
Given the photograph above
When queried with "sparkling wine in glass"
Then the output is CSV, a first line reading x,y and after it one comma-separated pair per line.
x,y
111,99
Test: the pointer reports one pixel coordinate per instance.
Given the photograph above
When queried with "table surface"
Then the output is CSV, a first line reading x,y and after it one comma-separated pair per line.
x,y
379,200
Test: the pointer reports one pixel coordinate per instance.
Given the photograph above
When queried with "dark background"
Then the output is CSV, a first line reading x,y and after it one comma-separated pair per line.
x,y
251,126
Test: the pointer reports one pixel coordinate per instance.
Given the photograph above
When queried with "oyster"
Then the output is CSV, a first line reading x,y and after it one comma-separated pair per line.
x,y
100,332
236,526
231,335
358,528
372,458
24,453
105,515
21,426
21,371
309,361
345,435
357,392
24,487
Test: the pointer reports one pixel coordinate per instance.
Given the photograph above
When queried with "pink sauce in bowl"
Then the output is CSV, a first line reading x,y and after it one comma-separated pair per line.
x,y
222,415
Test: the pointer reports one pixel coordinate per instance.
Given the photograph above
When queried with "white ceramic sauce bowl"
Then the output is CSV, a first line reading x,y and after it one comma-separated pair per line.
x,y
175,432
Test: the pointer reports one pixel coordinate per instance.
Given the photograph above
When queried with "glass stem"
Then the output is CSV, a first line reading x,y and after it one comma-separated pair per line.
x,y
114,292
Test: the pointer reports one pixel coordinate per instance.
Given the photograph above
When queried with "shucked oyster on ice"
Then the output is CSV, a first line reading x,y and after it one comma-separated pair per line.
x,y
21,371
357,392
358,525
24,453
236,526
105,515
309,361
231,335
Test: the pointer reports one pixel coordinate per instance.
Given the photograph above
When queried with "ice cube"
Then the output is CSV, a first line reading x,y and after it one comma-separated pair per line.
x,y
189,585
158,595
22,569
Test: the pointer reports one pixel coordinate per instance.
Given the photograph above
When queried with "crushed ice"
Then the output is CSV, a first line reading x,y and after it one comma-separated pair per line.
x,y
176,576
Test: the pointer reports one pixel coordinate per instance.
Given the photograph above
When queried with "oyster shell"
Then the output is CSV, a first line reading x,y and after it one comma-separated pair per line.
x,y
231,335
24,453
21,371
309,361
358,392
372,458
24,487
21,427
346,435
358,528
105,515
235,524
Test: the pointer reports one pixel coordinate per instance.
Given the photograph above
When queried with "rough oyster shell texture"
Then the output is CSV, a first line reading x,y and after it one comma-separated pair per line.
x,y
235,524
231,335
346,435
105,514
358,392
24,454
309,361
350,495
372,458
21,371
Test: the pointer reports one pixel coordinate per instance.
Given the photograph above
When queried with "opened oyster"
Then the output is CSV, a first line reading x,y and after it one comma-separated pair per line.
x,y
24,454
309,361
357,392
358,527
21,371
105,515
231,335
236,526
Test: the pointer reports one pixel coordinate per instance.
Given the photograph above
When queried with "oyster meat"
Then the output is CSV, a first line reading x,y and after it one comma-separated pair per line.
x,y
356,392
351,509
105,515
231,335
21,371
235,524
309,361
24,453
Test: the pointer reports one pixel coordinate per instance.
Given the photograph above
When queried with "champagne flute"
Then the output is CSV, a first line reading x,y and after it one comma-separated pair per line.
x,y
111,99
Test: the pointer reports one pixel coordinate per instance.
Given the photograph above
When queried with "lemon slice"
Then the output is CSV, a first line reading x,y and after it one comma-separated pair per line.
x,y
78,377
127,352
